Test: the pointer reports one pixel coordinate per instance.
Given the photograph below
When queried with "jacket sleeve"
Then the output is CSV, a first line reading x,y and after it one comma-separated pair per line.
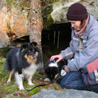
x,y
86,55
68,52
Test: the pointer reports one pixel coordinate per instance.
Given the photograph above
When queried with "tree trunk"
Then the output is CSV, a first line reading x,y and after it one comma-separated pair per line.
x,y
36,21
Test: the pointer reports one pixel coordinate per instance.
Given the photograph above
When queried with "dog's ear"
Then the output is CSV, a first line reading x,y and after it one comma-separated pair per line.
x,y
24,47
34,44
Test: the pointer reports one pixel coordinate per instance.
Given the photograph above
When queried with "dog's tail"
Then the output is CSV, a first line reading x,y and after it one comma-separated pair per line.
x,y
7,66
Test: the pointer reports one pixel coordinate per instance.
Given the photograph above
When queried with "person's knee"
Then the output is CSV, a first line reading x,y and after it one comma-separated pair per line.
x,y
69,81
63,84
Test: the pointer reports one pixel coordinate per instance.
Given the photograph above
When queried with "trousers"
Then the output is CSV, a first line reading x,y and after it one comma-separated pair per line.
x,y
73,80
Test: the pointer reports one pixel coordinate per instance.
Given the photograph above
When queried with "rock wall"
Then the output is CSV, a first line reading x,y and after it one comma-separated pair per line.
x,y
4,39
60,8
13,23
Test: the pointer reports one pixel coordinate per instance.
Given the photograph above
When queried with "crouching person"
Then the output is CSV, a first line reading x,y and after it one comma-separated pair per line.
x,y
83,48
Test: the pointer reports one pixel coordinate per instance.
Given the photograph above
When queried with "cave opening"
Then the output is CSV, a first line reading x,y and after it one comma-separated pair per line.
x,y
55,39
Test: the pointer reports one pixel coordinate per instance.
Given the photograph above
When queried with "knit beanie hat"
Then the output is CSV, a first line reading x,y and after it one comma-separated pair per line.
x,y
77,12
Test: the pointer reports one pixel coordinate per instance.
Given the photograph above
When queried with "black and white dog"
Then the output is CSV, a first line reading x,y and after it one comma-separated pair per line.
x,y
52,69
23,63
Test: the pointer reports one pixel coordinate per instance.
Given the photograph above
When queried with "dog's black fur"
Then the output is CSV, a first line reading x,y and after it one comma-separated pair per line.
x,y
23,61
52,71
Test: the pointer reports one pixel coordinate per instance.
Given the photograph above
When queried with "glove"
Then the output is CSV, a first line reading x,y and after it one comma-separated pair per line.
x,y
63,72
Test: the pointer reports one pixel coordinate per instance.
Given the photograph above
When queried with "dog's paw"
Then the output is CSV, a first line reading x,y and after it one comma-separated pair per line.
x,y
30,83
8,81
21,75
46,79
21,88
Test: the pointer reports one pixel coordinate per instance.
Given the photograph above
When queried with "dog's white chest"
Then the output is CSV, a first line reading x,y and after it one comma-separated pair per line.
x,y
30,70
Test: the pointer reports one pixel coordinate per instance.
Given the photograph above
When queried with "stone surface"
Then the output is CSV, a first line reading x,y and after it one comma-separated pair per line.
x,y
60,8
14,22
13,25
18,22
65,94
4,40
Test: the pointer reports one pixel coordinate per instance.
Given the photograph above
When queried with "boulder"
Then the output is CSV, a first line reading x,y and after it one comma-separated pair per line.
x,y
60,8
65,94
13,25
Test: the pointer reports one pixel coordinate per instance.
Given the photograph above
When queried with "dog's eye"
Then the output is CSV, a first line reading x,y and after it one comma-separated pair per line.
x,y
29,51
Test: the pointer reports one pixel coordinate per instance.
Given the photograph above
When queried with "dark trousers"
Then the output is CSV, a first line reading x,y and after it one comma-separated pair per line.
x,y
73,80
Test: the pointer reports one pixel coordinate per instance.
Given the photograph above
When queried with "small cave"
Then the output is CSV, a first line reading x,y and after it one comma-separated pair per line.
x,y
55,39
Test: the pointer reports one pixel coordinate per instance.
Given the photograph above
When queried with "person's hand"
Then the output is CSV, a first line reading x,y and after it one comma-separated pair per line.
x,y
59,57
64,71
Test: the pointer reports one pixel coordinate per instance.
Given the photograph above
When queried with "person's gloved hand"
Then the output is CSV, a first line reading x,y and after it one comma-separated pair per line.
x,y
63,72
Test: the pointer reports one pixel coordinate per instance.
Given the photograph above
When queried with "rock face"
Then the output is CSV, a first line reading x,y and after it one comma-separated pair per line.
x,y
13,25
65,94
14,21
18,22
60,8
